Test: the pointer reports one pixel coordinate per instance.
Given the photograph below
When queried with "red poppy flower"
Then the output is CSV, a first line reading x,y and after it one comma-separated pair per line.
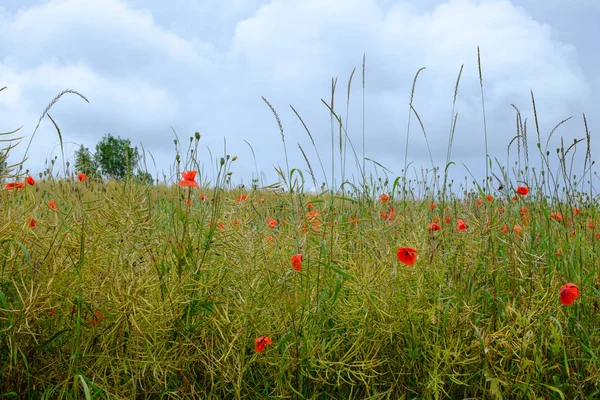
x,y
591,225
272,223
189,179
522,190
261,201
390,215
517,229
52,205
309,206
202,197
515,197
270,238
14,185
82,177
241,198
32,223
407,255
384,198
432,206
188,202
434,226
569,293
479,202
97,318
297,262
461,225
448,219
261,342
489,198
505,229
556,216
29,180
576,211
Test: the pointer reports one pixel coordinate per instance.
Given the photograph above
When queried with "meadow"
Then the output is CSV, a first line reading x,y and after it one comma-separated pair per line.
x,y
376,290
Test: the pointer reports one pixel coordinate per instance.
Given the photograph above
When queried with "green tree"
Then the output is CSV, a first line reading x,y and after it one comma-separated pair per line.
x,y
115,157
85,162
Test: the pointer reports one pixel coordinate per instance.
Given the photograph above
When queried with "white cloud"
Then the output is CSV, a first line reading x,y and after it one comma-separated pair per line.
x,y
145,67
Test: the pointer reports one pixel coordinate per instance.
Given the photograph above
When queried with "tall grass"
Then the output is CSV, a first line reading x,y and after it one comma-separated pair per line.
x,y
133,291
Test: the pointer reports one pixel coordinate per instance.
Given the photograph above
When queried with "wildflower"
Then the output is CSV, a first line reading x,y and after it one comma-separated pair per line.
x,y
489,198
505,229
52,205
434,227
82,177
461,225
522,190
241,198
188,202
432,206
272,223
576,211
515,197
29,180
189,179
353,220
14,185
501,210
388,215
448,219
569,293
517,229
556,216
97,318
202,197
407,255
479,202
270,238
592,225
297,262
32,223
309,206
523,211
261,200
559,253
261,342
384,198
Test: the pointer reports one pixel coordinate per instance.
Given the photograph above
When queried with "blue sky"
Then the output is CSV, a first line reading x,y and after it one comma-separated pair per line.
x,y
147,66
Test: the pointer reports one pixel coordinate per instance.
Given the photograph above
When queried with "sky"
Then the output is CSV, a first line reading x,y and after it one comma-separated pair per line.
x,y
151,68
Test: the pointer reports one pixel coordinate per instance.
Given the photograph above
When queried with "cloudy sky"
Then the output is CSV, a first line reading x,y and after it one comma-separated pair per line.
x,y
149,65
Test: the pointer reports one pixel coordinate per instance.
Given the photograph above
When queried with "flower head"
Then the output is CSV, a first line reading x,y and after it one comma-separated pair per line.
x,y
189,179
32,223
52,205
82,177
297,262
407,255
14,185
272,223
29,180
522,190
461,225
261,342
384,198
569,293
434,226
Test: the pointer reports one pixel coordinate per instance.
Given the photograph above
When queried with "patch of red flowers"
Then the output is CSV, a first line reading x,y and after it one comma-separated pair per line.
x,y
384,198
189,179
14,185
569,293
297,262
241,198
407,255
522,190
272,223
261,342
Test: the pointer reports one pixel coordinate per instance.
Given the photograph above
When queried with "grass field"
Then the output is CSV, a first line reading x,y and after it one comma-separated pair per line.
x,y
121,290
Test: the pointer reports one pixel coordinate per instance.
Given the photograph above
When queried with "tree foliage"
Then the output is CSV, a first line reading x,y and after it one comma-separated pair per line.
x,y
115,157
85,162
